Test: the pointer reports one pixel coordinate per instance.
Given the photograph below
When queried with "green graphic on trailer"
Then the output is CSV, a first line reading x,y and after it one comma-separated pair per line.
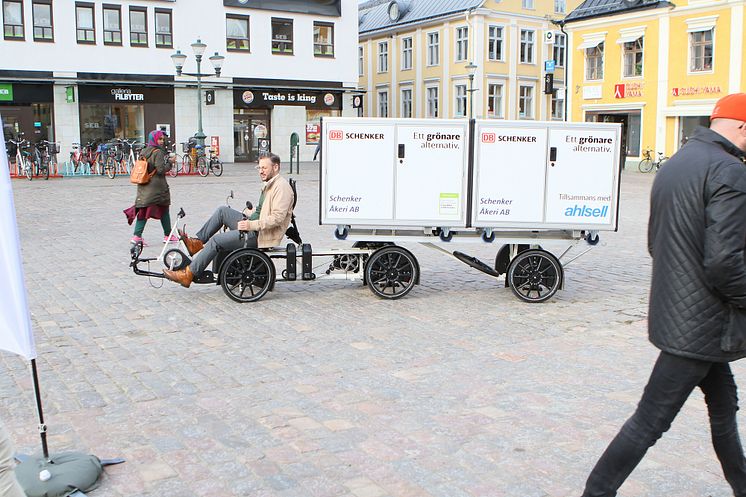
x,y
6,92
448,204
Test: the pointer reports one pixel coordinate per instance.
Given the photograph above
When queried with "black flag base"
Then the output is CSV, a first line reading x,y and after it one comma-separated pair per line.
x,y
60,475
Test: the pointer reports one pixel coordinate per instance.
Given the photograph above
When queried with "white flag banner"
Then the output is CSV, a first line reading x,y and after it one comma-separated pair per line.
x,y
15,323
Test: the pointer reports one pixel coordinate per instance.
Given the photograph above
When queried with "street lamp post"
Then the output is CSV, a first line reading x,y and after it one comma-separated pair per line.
x,y
471,67
217,63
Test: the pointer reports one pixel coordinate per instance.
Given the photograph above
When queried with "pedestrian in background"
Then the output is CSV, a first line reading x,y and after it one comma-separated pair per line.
x,y
9,486
697,313
153,199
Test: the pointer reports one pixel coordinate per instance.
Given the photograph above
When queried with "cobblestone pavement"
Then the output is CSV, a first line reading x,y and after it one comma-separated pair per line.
x,y
323,390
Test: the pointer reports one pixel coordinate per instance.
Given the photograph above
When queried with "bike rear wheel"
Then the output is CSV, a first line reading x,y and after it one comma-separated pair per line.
x,y
28,169
186,164
645,166
44,170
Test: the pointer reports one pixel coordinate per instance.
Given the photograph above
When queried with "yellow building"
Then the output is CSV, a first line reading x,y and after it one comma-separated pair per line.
x,y
430,58
657,67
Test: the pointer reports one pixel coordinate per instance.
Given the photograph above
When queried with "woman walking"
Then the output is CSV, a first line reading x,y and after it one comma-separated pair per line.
x,y
153,198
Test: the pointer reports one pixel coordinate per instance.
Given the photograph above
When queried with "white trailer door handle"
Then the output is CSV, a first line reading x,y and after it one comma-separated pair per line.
x,y
401,153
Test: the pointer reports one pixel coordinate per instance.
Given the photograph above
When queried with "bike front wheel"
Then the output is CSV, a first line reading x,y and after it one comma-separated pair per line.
x,y
186,164
28,168
111,167
216,167
202,167
44,170
645,166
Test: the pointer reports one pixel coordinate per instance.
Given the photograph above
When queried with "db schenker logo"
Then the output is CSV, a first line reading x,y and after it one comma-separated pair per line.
x,y
489,137
335,134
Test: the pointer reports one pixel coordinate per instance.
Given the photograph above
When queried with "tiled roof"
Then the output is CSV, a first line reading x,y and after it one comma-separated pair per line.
x,y
600,8
374,13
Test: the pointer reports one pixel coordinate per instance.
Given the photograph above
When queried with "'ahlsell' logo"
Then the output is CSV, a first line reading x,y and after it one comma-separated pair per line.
x,y
488,137
335,134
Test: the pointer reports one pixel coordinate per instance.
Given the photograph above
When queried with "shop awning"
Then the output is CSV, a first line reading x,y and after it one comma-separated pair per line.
x,y
628,38
591,43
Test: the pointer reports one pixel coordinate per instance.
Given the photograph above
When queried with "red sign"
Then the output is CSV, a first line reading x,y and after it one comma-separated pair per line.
x,y
312,133
335,134
696,90
215,144
619,91
489,137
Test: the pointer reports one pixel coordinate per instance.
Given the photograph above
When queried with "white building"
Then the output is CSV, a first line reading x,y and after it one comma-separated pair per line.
x,y
76,71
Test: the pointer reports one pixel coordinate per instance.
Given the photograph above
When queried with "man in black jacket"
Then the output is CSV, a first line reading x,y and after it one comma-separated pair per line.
x,y
697,315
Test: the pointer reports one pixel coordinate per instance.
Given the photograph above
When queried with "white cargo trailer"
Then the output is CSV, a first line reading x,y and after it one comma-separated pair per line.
x,y
435,180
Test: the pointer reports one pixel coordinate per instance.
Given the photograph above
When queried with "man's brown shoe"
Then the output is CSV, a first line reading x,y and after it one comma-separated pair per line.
x,y
183,277
193,245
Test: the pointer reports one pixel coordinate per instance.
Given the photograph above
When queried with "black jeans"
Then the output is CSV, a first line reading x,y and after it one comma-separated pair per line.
x,y
670,384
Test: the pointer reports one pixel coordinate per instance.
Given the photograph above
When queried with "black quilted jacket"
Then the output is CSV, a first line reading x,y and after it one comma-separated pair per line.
x,y
697,238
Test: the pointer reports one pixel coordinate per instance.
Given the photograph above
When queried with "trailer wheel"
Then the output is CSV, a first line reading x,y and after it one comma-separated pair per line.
x,y
175,260
391,272
488,238
247,275
343,234
592,238
534,275
446,238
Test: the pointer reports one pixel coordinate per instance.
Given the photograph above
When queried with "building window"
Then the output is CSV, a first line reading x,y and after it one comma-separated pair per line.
x,y
594,62
632,55
433,49
558,105
700,46
43,26
282,36
237,32
527,46
323,39
560,6
13,19
360,61
383,104
138,27
495,100
406,53
406,102
460,101
112,25
432,101
526,102
495,44
462,43
163,29
559,49
383,56
85,23
527,4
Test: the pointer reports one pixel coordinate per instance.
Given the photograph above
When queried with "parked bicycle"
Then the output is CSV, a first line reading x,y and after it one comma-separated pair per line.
x,y
24,162
130,151
46,157
111,156
647,163
214,165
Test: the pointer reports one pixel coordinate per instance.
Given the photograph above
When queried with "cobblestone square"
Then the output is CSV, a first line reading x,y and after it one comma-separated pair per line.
x,y
322,389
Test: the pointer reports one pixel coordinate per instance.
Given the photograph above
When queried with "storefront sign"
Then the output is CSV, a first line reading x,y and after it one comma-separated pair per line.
x,y
215,144
628,90
6,93
592,92
322,7
260,98
312,133
69,94
125,94
695,90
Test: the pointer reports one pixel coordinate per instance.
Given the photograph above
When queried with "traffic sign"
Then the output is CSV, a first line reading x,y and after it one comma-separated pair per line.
x,y
549,65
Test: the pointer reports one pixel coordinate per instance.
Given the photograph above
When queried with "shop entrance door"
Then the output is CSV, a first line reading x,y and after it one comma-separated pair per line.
x,y
34,121
248,128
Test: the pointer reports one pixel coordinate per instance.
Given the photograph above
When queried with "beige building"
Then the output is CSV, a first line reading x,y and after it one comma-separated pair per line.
x,y
431,58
